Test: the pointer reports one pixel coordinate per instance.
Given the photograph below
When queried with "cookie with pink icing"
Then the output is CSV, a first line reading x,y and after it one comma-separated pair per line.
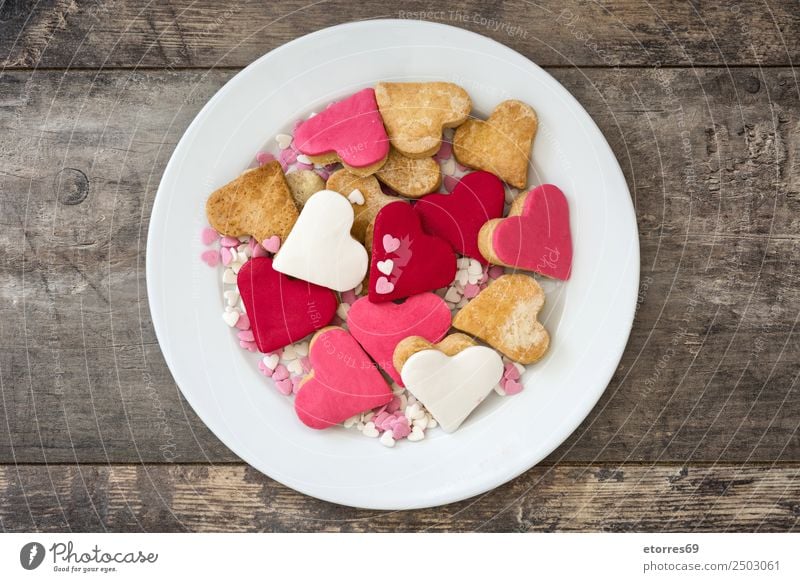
x,y
343,381
535,236
379,327
349,131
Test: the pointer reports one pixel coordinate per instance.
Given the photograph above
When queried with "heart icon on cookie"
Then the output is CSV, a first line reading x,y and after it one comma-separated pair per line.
x,y
501,144
320,249
379,327
458,217
343,382
450,378
350,131
282,310
535,236
416,113
420,262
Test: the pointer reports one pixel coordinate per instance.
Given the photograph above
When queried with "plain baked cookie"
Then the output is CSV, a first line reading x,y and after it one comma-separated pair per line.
x,y
411,177
372,198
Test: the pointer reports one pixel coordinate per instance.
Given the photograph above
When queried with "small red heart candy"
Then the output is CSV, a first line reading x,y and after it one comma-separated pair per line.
x,y
282,310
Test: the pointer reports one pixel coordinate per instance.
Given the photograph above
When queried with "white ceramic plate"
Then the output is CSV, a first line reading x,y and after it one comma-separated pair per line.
x,y
589,317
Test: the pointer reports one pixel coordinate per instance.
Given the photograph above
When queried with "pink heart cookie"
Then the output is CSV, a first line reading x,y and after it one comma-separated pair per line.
x,y
535,236
458,217
420,262
343,382
350,130
379,327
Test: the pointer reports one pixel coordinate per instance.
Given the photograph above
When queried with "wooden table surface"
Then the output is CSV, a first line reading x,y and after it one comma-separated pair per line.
x,y
698,430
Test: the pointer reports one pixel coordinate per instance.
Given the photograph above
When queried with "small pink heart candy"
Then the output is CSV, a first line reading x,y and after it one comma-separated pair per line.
x,y
449,183
264,158
208,235
225,253
511,372
210,258
284,386
259,251
272,244
390,243
512,387
383,286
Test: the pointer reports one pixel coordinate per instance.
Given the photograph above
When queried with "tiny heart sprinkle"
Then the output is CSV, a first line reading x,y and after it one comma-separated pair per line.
x,y
209,235
210,258
356,197
390,243
386,266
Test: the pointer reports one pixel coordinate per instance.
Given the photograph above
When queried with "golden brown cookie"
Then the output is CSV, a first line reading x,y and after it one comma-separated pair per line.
x,y
501,144
304,184
414,114
344,182
449,346
504,315
258,203
412,177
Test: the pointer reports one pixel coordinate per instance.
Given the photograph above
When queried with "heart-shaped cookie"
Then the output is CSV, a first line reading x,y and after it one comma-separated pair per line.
x,y
319,249
257,203
303,184
415,114
501,144
379,327
450,378
458,217
535,236
421,262
343,381
350,131
282,310
411,177
504,315
345,182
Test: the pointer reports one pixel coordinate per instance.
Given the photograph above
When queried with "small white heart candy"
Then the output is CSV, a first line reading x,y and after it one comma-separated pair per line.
x,y
452,295
417,434
342,310
230,317
231,297
356,197
475,268
271,361
289,353
462,277
449,167
370,430
386,266
295,367
301,349
303,159
387,439
283,140
229,277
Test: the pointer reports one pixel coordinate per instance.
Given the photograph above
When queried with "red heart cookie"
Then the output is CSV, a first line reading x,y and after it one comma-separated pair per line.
x,y
350,130
535,236
282,310
379,327
343,382
405,260
459,216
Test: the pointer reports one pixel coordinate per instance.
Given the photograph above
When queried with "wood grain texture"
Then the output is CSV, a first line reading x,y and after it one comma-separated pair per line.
x,y
616,498
203,33
709,374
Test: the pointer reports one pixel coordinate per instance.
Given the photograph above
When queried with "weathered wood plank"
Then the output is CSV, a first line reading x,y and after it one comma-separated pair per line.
x,y
203,33
157,498
710,372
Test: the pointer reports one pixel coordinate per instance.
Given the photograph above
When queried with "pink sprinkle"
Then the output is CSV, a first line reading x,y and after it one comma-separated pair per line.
x,y
210,258
394,405
249,346
349,296
377,411
380,419
264,158
230,241
264,369
512,387
511,372
449,183
400,428
272,244
225,252
288,156
296,383
445,151
495,271
280,373
462,168
484,278
246,336
208,235
243,322
324,174
302,166
471,290
259,251
284,386
306,363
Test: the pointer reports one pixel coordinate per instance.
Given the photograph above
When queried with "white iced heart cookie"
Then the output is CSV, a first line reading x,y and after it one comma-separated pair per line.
x,y
319,248
450,378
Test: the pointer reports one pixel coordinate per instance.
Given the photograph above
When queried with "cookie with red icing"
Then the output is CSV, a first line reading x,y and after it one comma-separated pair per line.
x,y
349,131
282,310
535,236
458,217
405,260
342,383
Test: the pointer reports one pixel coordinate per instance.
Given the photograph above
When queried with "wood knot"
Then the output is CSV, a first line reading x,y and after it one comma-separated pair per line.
x,y
71,186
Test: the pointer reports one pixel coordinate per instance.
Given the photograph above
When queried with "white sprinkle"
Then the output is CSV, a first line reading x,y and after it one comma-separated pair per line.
x,y
350,422
462,276
342,310
520,368
303,159
359,288
283,140
229,277
499,390
231,297
295,367
370,430
449,167
422,423
462,303
452,295
312,114
473,279
356,197
237,266
230,317
412,410
302,349
387,439
432,423
475,268
462,263
271,361
367,416
417,434
289,353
